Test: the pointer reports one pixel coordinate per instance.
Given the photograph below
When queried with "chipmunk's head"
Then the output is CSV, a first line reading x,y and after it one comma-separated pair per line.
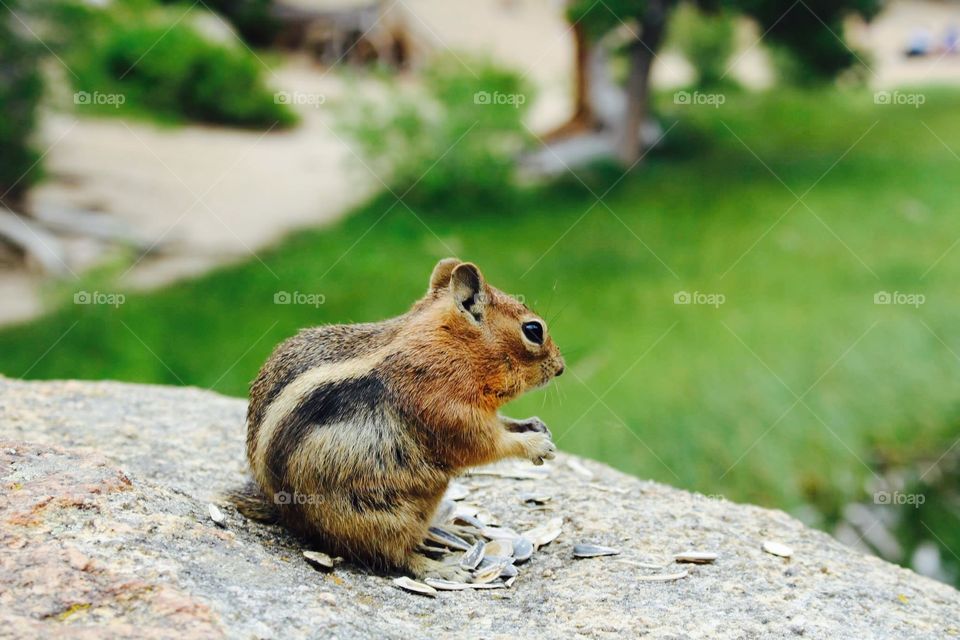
x,y
498,336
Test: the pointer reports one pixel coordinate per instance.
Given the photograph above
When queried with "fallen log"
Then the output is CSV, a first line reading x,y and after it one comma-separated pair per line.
x,y
36,243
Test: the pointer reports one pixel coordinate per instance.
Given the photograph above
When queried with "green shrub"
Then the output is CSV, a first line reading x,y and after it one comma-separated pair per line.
x,y
453,140
21,88
829,63
811,47
706,40
251,18
170,70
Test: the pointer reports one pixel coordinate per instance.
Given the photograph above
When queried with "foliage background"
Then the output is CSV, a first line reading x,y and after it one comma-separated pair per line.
x,y
797,392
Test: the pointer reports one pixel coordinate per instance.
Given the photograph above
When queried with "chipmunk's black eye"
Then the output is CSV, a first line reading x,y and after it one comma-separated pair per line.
x,y
533,331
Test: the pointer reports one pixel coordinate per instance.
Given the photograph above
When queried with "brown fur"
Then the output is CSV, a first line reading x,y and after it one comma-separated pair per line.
x,y
364,425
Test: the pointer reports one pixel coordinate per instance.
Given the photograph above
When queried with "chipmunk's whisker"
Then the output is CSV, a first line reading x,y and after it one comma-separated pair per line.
x,y
555,316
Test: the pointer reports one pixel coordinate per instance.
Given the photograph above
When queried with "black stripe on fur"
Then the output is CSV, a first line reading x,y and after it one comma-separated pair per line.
x,y
356,399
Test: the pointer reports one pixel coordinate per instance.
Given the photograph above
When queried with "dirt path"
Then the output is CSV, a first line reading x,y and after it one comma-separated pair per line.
x,y
199,196
203,195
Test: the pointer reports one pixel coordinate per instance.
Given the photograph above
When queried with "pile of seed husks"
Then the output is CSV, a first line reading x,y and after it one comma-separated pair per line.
x,y
469,540
483,554
470,544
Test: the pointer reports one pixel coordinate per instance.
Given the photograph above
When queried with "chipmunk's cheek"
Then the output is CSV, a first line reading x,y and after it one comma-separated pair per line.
x,y
527,381
543,378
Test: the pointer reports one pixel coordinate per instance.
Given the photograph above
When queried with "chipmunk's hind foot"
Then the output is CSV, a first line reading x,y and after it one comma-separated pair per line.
x,y
422,567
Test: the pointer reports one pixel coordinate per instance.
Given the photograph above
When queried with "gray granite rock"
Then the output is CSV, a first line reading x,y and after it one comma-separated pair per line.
x,y
105,532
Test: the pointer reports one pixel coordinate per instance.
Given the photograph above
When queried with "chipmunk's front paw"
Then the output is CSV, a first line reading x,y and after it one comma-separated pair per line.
x,y
530,425
539,447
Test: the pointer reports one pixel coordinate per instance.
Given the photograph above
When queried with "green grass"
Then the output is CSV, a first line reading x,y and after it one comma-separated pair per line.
x,y
696,396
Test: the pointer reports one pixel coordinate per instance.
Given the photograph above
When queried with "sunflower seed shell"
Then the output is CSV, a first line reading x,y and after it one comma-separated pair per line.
x,y
585,550
319,560
447,539
472,557
696,557
408,584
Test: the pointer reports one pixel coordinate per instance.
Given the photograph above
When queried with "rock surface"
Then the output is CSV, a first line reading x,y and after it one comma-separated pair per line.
x,y
105,532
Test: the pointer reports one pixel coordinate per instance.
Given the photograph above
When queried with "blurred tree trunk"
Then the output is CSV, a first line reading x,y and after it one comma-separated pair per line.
x,y
583,112
599,102
641,54
583,118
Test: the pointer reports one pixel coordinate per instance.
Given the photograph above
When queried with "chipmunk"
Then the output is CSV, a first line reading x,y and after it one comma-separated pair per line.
x,y
354,431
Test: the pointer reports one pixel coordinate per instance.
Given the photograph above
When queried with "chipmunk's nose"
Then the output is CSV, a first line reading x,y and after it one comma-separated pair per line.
x,y
560,369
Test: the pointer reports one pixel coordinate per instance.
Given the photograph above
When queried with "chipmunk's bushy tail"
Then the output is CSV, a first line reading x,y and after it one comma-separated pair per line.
x,y
250,501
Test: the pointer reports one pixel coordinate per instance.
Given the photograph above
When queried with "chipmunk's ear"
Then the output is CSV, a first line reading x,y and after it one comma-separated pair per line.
x,y
440,277
466,287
